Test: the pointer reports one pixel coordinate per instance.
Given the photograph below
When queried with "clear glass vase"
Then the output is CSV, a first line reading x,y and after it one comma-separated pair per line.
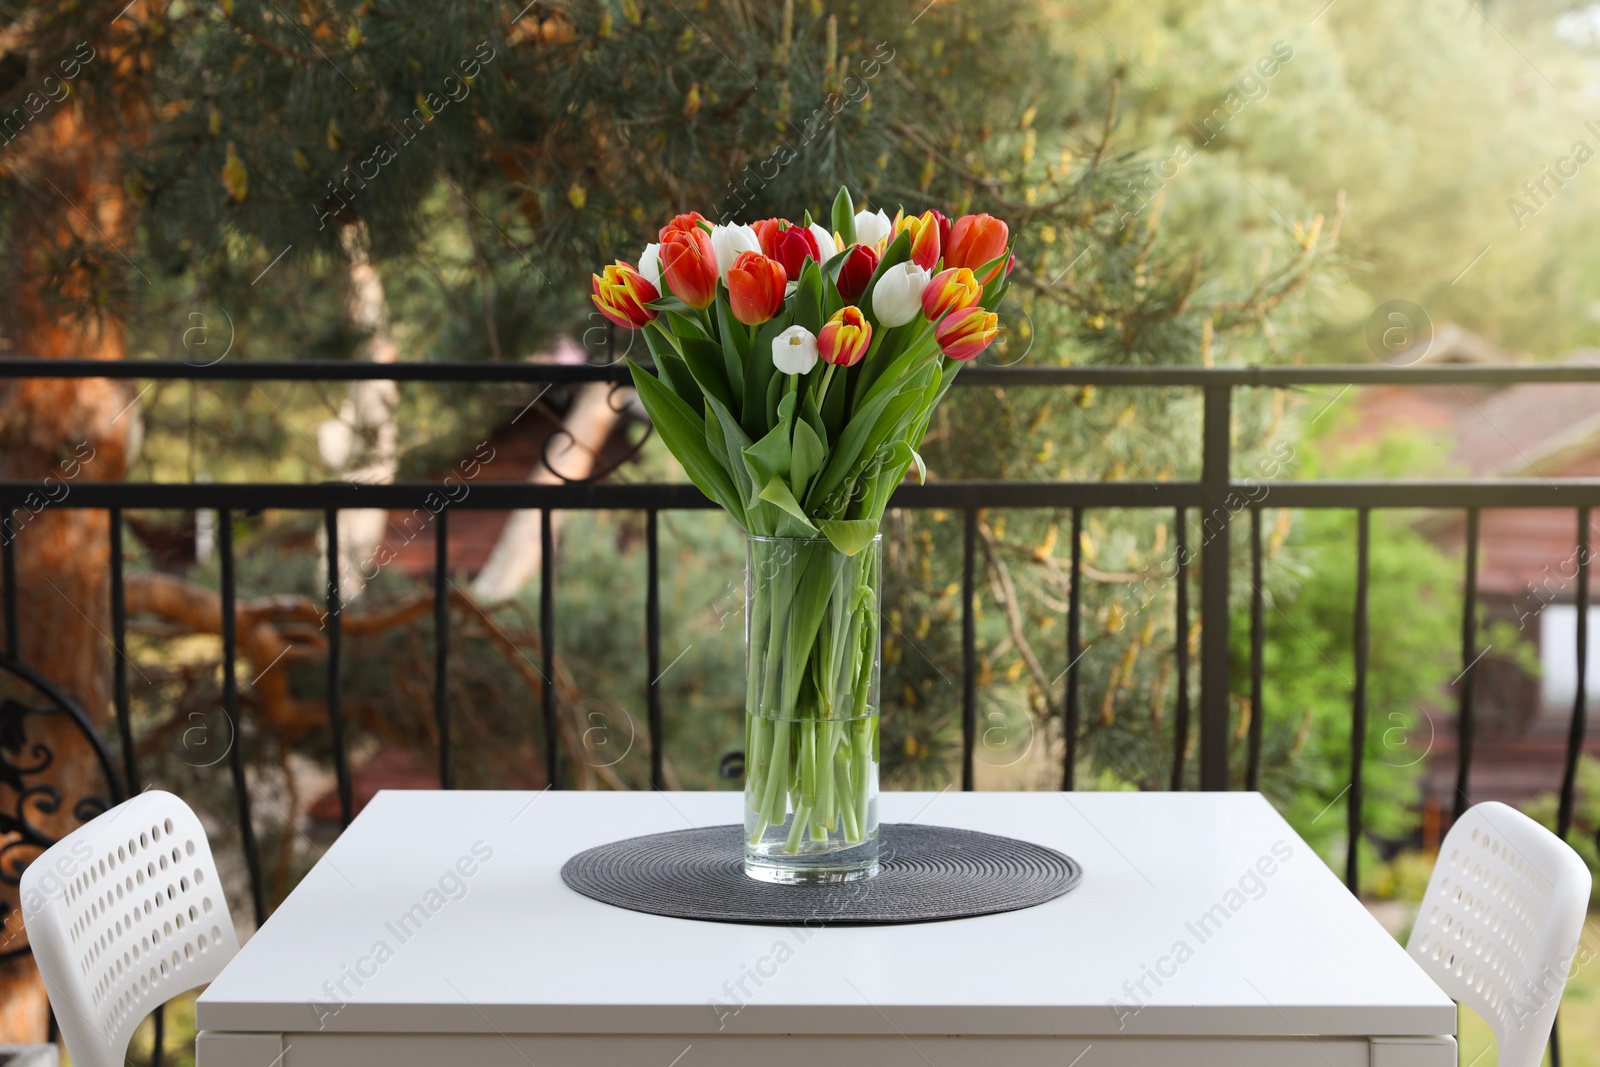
x,y
811,711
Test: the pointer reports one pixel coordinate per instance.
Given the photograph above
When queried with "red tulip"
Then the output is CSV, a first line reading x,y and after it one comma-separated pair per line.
x,y
767,231
950,290
689,265
621,293
755,288
924,238
844,339
965,333
856,271
793,247
691,221
974,241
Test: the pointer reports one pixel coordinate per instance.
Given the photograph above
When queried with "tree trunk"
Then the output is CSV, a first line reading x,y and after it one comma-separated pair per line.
x,y
362,444
517,555
66,238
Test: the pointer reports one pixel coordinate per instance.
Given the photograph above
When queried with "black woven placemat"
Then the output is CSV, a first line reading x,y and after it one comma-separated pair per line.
x,y
928,873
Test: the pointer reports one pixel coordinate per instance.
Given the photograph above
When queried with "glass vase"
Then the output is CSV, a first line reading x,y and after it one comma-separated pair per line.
x,y
811,711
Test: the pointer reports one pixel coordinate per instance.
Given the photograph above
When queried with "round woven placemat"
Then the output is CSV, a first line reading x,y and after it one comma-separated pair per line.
x,y
928,873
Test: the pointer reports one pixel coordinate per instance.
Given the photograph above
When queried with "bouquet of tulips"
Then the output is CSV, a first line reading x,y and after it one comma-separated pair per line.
x,y
796,368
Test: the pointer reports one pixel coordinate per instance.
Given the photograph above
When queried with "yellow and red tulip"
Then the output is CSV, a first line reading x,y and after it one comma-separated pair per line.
x,y
845,337
974,241
856,271
953,289
622,293
755,288
924,237
963,334
689,265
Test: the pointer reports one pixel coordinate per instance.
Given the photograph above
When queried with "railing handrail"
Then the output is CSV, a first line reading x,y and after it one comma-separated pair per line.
x,y
1250,375
1217,494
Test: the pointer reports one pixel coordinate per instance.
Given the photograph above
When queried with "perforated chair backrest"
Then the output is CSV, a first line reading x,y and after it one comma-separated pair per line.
x,y
123,914
1500,923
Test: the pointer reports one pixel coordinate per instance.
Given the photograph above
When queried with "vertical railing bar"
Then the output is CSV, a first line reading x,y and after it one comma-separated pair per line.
x,y
441,646
1579,725
119,656
652,630
1069,727
124,713
335,627
1258,639
1465,726
1358,702
969,647
8,563
1180,728
1216,490
230,707
547,641
1580,703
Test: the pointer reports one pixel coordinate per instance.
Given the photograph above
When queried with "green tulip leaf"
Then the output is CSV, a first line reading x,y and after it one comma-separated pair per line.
x,y
807,457
705,362
777,492
808,297
849,535
681,430
844,217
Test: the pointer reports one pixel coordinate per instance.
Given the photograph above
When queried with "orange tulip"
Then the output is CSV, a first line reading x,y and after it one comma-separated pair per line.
x,y
965,333
621,293
974,241
844,339
755,288
689,265
924,237
691,221
950,290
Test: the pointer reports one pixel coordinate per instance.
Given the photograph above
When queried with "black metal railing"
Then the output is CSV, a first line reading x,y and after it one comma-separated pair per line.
x,y
1216,496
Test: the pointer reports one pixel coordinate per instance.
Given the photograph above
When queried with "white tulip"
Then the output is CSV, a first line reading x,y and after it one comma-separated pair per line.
x,y
897,298
730,240
825,242
872,227
794,351
650,266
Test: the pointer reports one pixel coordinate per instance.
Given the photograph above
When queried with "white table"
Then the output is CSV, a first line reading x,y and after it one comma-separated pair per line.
x,y
1205,932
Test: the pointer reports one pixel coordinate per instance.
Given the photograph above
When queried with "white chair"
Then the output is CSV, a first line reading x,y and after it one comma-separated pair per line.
x,y
1500,923
124,913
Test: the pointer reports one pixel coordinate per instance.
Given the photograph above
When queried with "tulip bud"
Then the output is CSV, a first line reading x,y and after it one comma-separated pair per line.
x,y
755,288
689,265
856,271
845,338
897,298
767,231
924,238
950,290
873,229
729,241
794,351
792,247
650,264
621,293
965,333
827,247
974,241
690,222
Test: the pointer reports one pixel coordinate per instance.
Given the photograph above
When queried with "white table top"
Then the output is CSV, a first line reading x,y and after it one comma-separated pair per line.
x,y
1285,952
